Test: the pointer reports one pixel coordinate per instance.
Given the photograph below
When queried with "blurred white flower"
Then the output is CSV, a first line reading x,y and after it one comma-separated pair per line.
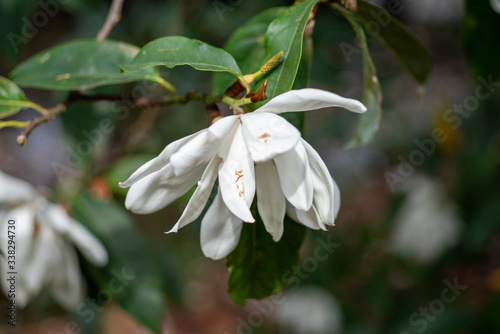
x,y
495,4
430,11
309,310
44,255
427,223
255,153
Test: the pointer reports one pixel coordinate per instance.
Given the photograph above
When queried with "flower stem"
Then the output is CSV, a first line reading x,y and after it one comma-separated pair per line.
x,y
13,124
165,84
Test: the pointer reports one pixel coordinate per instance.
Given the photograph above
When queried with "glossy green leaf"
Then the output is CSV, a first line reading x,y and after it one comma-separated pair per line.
x,y
285,34
80,65
134,277
12,98
176,50
479,22
302,81
305,66
372,96
259,266
410,52
16,34
246,45
485,225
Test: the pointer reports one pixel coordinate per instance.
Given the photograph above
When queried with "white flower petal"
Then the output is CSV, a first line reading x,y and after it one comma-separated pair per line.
x,y
13,190
223,127
220,230
324,190
336,200
56,216
89,245
237,179
157,163
24,233
39,268
308,218
200,197
309,99
271,202
161,188
201,148
268,135
67,285
295,177
24,217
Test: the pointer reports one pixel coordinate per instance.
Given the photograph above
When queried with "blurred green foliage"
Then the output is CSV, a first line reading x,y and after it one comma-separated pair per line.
x,y
379,291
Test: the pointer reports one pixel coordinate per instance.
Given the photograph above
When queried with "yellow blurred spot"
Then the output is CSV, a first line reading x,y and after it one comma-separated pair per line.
x,y
493,280
454,136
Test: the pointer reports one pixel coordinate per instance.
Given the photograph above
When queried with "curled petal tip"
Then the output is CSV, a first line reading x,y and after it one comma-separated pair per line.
x,y
276,237
123,185
103,259
354,106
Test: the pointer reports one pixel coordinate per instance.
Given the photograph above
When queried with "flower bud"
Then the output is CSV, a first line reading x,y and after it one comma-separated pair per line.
x,y
21,140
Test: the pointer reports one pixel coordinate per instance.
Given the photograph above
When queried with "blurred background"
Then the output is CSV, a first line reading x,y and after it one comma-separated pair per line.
x,y
417,240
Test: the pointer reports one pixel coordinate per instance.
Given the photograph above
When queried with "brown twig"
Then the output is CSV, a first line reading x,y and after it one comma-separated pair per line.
x,y
351,5
213,113
140,102
114,16
309,28
22,139
192,95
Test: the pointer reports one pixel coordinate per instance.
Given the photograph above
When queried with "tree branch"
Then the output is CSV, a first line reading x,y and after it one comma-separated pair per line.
x,y
192,95
22,139
114,16
140,102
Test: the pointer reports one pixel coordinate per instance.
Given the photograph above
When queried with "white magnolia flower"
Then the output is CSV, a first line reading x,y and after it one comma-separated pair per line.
x,y
255,153
323,315
495,4
44,256
430,11
427,224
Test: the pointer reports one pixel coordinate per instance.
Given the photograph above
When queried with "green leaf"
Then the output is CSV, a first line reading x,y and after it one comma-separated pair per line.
x,y
372,97
135,280
16,32
12,98
479,22
484,225
304,72
176,50
410,52
302,81
259,266
80,65
246,45
285,34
